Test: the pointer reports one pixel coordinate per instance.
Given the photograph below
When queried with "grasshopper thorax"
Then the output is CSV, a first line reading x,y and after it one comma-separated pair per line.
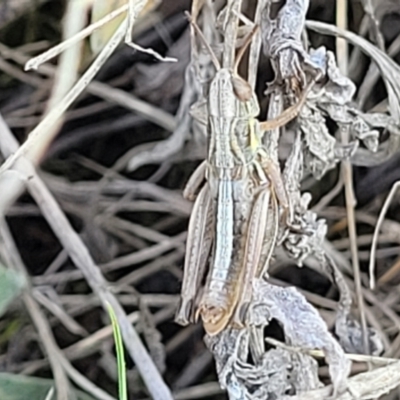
x,y
230,96
222,99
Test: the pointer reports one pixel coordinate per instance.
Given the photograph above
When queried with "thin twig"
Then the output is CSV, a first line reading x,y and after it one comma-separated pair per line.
x,y
39,320
254,55
106,92
233,10
347,171
320,353
34,62
41,136
82,259
381,219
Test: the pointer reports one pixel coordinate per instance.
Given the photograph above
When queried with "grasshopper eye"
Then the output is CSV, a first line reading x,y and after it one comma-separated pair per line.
x,y
241,88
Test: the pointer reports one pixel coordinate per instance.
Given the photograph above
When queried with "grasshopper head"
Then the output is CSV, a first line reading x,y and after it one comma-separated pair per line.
x,y
215,319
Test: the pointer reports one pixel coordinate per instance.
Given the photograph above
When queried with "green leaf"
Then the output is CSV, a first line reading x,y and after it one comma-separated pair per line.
x,y
11,284
21,387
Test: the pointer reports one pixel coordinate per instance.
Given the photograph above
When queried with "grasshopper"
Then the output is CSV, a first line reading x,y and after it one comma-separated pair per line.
x,y
234,222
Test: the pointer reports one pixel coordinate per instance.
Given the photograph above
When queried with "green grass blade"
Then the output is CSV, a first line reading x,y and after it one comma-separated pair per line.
x,y
122,385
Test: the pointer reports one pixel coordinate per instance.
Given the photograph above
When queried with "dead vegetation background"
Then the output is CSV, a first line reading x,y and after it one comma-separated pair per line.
x,y
117,168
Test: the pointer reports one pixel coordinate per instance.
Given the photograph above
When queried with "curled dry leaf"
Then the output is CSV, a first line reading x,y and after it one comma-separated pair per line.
x,y
390,72
282,42
277,372
282,39
308,243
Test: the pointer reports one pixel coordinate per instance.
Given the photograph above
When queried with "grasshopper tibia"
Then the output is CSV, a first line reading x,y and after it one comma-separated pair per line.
x,y
195,182
289,114
241,314
184,314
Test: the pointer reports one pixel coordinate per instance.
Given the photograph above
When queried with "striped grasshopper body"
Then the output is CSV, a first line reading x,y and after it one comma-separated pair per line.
x,y
234,222
231,191
234,214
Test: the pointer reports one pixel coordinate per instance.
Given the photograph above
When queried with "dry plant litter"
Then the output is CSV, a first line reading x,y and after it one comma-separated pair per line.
x,y
257,212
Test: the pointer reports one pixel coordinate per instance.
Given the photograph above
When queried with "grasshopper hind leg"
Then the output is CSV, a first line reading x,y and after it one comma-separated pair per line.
x,y
195,182
260,242
198,246
185,313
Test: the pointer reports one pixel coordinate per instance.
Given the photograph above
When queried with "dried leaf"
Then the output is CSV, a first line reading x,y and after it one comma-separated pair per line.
x,y
282,39
390,73
302,325
277,372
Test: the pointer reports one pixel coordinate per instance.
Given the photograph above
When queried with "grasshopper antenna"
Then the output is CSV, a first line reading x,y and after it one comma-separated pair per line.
x,y
242,88
214,58
243,49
